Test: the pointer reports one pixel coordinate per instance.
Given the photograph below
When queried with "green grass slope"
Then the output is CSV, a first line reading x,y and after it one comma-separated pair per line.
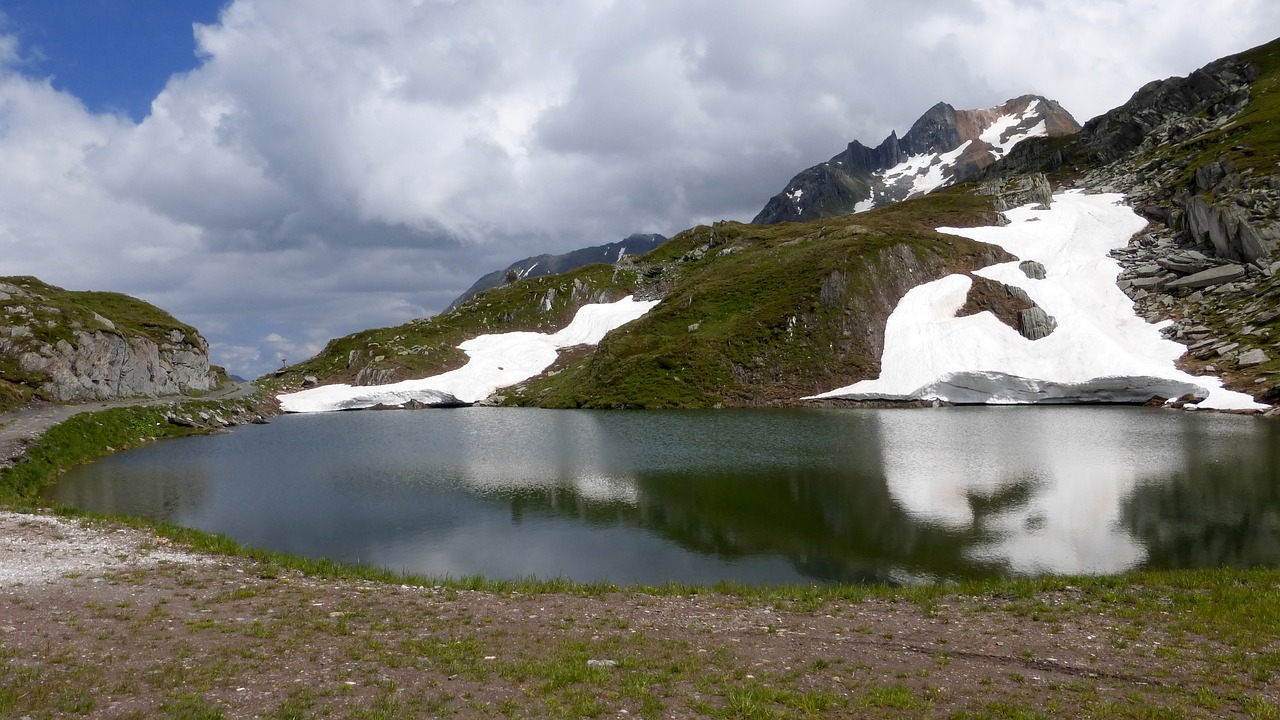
x,y
772,313
428,346
749,314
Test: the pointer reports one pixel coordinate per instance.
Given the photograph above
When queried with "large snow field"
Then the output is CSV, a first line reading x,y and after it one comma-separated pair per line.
x,y
1101,350
495,361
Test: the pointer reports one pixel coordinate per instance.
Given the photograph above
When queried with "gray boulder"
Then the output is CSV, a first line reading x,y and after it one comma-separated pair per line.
x,y
1228,230
1251,358
1020,190
1208,278
1032,269
1034,323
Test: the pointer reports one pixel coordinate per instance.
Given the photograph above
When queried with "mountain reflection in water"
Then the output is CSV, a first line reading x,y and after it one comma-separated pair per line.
x,y
749,496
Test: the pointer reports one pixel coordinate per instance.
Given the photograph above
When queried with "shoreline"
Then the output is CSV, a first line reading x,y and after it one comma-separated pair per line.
x,y
118,618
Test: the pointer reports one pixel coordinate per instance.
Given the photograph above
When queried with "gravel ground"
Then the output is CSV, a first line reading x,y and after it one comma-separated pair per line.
x,y
42,549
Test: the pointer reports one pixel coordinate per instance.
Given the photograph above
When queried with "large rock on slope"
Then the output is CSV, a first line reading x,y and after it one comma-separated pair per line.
x,y
943,147
65,346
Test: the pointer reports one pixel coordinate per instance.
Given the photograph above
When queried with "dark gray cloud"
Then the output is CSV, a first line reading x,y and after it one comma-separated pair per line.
x,y
332,166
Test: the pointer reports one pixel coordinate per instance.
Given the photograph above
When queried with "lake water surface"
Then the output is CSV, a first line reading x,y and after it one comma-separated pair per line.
x,y
755,496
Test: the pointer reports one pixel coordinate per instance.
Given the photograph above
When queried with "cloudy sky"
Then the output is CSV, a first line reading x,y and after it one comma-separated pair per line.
x,y
280,172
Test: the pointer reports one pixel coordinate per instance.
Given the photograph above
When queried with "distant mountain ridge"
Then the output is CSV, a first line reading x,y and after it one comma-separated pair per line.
x,y
945,146
537,266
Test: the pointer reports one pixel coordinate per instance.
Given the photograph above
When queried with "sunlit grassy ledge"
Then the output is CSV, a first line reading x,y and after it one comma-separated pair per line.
x,y
1243,604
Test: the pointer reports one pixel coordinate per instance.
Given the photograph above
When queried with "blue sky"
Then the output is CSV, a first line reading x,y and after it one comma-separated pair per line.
x,y
296,170
115,55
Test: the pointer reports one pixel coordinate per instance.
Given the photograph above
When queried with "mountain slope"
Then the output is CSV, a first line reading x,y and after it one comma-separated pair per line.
x,y
1197,156
545,264
749,314
945,146
70,346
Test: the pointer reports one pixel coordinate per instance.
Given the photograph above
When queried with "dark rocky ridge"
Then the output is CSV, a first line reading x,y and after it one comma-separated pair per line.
x,y
538,266
855,176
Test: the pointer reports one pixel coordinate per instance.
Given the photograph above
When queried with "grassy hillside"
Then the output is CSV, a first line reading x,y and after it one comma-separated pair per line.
x,y
428,346
750,314
773,313
59,311
1251,141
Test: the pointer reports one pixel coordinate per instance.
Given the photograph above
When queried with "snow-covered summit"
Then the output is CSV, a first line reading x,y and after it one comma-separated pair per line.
x,y
943,147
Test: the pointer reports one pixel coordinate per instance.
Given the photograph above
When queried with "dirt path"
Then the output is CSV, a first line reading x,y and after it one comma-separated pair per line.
x,y
20,427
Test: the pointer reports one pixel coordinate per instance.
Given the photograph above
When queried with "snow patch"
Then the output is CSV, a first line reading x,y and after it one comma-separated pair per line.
x,y
993,134
928,172
1101,350
496,361
795,196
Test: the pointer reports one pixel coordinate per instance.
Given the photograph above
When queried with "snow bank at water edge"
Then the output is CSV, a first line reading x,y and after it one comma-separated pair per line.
x,y
496,361
1101,350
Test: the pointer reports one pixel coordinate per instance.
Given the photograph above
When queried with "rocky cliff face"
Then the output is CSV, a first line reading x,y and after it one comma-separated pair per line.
x,y
945,146
66,347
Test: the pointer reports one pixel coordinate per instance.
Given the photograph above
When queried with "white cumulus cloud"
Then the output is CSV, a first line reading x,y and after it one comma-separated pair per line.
x,y
331,166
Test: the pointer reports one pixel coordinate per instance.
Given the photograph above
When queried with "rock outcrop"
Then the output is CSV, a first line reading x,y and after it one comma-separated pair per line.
x,y
1019,190
58,344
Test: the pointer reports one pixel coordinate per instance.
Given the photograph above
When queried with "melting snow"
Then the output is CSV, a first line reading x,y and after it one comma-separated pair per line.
x,y
935,178
928,171
1101,350
1004,123
496,361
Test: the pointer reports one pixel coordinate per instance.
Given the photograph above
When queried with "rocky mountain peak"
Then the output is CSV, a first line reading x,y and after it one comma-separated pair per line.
x,y
944,146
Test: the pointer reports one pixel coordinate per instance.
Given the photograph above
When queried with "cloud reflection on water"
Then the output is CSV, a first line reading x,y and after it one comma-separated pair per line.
x,y
1045,493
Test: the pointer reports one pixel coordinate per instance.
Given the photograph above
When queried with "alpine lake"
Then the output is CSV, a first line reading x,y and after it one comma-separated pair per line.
x,y
750,496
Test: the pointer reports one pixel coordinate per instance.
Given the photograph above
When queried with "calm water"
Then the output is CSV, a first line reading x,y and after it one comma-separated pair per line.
x,y
751,496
